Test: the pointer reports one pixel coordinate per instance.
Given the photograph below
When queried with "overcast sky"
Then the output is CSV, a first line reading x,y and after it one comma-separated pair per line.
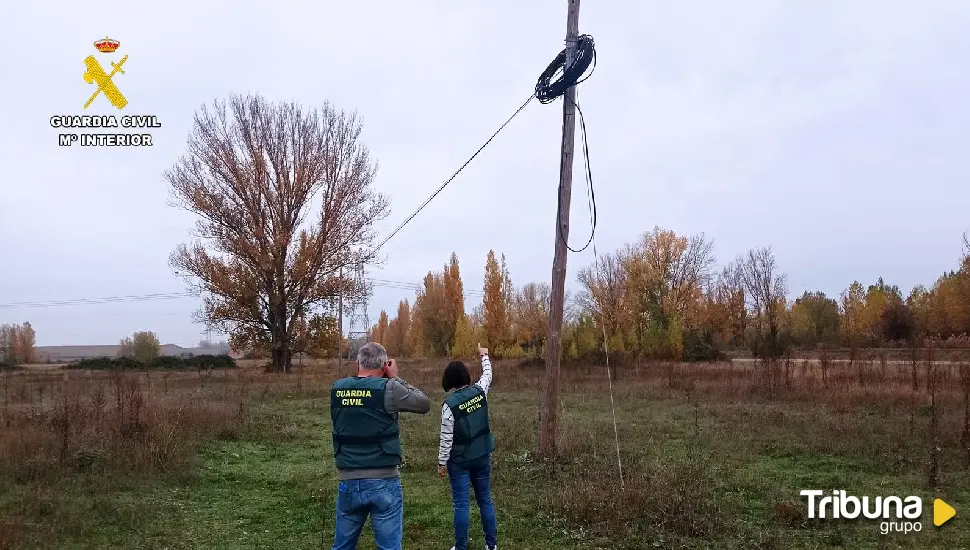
x,y
835,132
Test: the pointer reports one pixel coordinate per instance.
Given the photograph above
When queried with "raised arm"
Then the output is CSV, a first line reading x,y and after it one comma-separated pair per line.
x,y
485,381
447,435
403,397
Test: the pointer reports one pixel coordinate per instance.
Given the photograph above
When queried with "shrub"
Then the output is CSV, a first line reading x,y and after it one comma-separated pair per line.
x,y
198,362
105,363
701,345
514,352
166,362
211,362
679,498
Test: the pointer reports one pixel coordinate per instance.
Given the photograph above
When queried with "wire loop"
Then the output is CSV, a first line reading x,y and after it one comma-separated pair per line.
x,y
547,89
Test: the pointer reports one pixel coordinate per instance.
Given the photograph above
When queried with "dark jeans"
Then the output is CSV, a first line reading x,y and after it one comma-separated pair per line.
x,y
478,473
383,500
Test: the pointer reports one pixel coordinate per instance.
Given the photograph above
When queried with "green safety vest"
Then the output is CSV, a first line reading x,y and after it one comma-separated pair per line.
x,y
472,437
365,435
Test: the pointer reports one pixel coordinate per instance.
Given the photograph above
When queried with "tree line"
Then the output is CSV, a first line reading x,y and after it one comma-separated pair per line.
x,y
663,297
286,208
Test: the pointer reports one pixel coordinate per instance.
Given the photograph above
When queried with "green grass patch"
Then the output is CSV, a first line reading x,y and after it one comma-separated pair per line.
x,y
710,475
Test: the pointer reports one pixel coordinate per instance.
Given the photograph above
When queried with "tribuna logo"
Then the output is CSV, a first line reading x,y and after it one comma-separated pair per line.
x,y
839,505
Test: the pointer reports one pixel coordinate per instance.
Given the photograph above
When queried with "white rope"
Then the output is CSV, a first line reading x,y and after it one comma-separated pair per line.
x,y
606,342
609,376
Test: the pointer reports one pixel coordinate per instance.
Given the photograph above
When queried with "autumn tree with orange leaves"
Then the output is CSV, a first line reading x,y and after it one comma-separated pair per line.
x,y
284,199
397,337
496,303
530,315
660,298
454,298
379,331
429,311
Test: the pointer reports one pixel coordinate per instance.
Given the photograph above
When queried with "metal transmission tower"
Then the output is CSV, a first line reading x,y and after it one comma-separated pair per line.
x,y
359,319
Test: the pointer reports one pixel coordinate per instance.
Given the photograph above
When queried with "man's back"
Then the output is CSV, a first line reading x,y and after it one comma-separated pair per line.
x,y
364,413
367,450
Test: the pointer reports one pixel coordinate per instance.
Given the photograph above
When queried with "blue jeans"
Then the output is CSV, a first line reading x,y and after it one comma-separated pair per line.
x,y
477,472
383,500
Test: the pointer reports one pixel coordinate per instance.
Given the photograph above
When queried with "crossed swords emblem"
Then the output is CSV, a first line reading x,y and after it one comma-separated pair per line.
x,y
95,75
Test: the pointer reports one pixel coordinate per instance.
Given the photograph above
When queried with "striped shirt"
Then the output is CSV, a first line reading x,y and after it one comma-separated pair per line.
x,y
448,419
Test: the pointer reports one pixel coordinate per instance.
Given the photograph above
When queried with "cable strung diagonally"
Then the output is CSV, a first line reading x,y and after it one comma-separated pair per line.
x,y
453,176
548,88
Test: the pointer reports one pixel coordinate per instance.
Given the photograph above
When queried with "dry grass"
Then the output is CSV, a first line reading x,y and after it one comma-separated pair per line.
x,y
78,421
692,436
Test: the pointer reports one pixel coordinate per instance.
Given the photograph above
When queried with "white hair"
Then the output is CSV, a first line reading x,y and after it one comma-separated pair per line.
x,y
371,356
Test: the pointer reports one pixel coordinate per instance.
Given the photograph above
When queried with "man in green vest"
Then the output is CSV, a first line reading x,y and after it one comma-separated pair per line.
x,y
367,450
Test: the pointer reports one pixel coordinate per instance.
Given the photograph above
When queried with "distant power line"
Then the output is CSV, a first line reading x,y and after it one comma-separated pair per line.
x,y
417,287
383,283
103,300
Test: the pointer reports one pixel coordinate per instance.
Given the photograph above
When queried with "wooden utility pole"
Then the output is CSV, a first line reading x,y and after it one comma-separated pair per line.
x,y
340,327
550,401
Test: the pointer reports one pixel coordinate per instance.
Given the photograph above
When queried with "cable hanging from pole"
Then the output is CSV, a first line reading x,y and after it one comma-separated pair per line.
x,y
552,84
548,90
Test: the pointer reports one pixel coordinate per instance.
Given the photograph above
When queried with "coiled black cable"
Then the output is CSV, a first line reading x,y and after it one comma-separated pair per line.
x,y
547,91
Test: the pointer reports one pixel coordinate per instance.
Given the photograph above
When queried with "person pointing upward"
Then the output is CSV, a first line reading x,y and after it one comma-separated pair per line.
x,y
465,451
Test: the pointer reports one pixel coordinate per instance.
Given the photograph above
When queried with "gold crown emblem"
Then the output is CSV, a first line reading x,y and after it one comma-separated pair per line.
x,y
107,45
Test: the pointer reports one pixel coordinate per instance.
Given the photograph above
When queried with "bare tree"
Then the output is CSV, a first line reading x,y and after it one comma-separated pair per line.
x,y
531,313
604,290
726,304
126,348
8,344
966,252
27,343
17,344
284,199
765,288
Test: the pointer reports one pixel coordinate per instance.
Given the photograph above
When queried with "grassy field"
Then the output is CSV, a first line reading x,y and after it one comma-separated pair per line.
x,y
713,456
